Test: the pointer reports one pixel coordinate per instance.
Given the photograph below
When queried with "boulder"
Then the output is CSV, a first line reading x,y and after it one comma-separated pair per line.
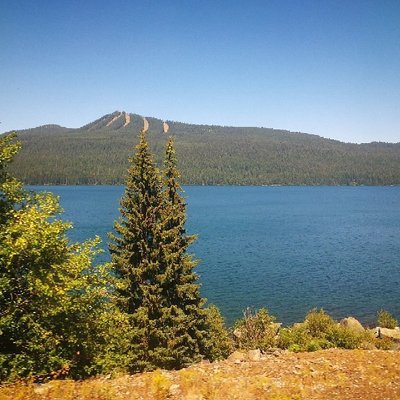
x,y
274,351
41,389
174,390
352,324
254,355
388,333
237,357
237,333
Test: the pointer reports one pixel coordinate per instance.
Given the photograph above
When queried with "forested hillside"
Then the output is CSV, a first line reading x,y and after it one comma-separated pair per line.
x,y
97,153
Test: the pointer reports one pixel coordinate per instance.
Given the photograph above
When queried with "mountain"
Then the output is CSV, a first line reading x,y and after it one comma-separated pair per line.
x,y
97,153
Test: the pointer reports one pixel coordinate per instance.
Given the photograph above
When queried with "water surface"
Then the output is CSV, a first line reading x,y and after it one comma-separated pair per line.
x,y
287,248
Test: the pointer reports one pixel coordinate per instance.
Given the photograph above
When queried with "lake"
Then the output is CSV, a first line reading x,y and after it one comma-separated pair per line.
x,y
286,248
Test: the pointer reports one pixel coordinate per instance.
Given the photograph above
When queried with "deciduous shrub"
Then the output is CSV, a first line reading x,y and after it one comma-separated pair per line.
x,y
53,299
320,331
386,320
256,330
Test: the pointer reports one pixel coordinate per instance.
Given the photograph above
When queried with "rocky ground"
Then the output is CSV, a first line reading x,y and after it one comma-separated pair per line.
x,y
279,375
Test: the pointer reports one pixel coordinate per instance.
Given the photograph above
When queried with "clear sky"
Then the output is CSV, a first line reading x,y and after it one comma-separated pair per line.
x,y
330,68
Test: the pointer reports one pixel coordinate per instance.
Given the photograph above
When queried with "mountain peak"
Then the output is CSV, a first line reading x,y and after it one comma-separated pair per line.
x,y
121,121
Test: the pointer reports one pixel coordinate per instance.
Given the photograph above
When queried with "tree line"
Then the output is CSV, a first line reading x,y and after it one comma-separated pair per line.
x,y
209,155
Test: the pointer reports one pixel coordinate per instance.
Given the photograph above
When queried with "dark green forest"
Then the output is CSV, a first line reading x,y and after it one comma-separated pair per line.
x,y
97,153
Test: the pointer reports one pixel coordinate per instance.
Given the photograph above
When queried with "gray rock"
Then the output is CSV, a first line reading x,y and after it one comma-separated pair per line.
x,y
254,355
174,389
237,356
237,333
352,324
388,333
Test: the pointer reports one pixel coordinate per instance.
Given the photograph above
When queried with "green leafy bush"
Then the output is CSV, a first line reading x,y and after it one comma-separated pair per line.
x,y
256,330
320,331
385,344
318,323
294,338
52,297
345,338
298,338
386,320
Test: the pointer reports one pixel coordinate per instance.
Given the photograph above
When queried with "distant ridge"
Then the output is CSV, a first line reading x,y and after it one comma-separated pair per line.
x,y
46,128
97,153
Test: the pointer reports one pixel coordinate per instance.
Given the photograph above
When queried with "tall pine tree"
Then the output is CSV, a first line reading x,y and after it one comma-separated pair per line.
x,y
186,314
198,329
135,253
158,287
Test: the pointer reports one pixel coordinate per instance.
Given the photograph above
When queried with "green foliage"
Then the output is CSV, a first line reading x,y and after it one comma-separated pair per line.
x,y
386,320
219,341
209,155
385,343
256,330
345,338
319,331
157,286
295,338
10,189
51,295
318,323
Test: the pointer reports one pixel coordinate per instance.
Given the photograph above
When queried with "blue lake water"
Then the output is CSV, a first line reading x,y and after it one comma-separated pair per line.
x,y
287,248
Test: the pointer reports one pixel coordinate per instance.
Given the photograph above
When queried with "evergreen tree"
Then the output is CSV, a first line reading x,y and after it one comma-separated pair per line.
x,y
219,339
201,330
158,287
135,251
185,314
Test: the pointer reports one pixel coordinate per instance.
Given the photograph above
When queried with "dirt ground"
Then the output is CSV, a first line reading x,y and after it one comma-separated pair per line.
x,y
327,374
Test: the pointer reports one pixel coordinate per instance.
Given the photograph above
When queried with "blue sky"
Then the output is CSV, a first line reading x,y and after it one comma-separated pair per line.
x,y
330,68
